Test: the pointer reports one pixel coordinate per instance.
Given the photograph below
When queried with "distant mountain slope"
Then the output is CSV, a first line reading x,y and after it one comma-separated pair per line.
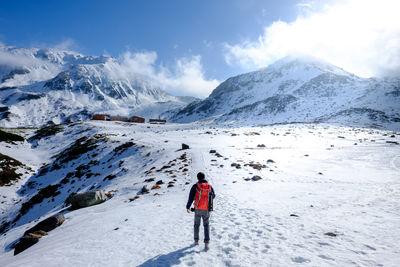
x,y
42,85
299,90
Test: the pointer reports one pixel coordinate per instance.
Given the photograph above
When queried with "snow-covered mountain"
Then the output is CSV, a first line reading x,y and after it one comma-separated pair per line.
x,y
299,90
41,85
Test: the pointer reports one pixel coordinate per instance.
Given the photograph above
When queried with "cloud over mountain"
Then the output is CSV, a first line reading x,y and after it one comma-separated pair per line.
x,y
185,77
361,36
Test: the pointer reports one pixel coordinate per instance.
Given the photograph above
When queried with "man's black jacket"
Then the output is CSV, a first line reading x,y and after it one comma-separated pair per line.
x,y
192,193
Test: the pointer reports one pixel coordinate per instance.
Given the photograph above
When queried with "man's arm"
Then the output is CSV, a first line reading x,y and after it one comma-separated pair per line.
x,y
191,196
212,192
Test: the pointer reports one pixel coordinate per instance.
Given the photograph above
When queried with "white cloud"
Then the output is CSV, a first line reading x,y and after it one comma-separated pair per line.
x,y
361,36
66,45
185,77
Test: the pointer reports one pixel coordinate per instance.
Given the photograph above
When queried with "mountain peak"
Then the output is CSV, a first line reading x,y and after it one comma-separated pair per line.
x,y
304,62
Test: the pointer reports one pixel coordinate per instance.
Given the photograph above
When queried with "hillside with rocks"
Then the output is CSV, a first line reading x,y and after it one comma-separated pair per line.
x,y
286,194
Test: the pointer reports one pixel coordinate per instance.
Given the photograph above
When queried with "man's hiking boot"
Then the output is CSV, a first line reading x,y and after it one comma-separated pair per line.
x,y
196,242
206,247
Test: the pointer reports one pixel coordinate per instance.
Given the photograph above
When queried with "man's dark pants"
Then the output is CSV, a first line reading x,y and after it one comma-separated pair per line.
x,y
205,214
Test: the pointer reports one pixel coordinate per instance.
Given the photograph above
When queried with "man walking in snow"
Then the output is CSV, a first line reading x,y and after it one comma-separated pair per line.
x,y
202,194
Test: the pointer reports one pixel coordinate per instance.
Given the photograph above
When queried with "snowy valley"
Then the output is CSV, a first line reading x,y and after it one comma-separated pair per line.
x,y
328,195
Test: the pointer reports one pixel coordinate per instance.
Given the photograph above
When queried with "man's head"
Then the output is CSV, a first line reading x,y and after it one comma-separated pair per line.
x,y
200,176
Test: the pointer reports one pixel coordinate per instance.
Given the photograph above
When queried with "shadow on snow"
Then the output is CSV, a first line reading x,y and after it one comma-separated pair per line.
x,y
169,259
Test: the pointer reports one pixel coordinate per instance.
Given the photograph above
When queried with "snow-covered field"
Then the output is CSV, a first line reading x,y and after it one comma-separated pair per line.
x,y
317,179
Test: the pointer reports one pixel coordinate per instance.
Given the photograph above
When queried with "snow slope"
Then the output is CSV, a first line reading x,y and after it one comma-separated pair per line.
x,y
316,179
300,90
42,85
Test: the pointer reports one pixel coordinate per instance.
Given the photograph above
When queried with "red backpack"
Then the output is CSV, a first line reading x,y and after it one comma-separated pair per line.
x,y
203,194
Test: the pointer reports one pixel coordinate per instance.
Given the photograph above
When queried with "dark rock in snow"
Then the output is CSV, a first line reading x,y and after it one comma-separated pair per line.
x,y
256,166
270,161
47,225
261,145
393,142
144,190
256,178
294,215
159,182
24,243
212,151
156,186
32,235
330,234
185,146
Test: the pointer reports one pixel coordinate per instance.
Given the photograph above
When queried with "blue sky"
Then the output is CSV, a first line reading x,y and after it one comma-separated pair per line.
x,y
173,28
214,39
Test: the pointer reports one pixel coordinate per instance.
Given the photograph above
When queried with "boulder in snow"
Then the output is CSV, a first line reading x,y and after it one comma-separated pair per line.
x,y
46,225
24,243
86,199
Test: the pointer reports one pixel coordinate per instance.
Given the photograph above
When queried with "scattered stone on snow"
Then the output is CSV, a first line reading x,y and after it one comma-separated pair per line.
x,y
393,142
330,234
185,146
144,190
156,186
256,178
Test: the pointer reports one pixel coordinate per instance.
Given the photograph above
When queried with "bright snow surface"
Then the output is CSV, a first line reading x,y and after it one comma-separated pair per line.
x,y
318,173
